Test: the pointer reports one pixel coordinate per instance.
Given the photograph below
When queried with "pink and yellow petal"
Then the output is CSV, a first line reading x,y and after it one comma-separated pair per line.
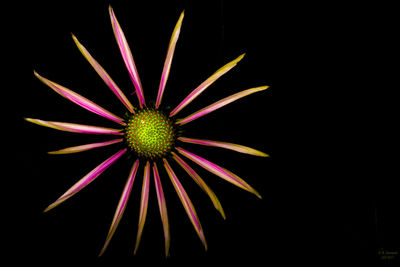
x,y
201,183
143,204
163,208
81,148
121,205
104,75
127,57
219,171
220,104
80,100
231,146
187,204
168,60
75,128
87,179
205,85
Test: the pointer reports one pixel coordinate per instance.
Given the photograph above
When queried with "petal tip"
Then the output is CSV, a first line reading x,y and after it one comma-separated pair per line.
x,y
31,120
103,249
56,203
222,213
136,248
262,154
253,191
112,14
50,207
37,75
257,194
75,39
240,57
181,17
40,77
205,244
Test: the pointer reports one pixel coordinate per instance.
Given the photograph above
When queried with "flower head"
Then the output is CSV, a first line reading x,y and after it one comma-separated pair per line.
x,y
151,136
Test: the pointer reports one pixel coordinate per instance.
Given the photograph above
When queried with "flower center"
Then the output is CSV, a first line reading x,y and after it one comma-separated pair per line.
x,y
150,134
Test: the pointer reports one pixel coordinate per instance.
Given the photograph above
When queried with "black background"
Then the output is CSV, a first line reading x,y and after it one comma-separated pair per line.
x,y
318,204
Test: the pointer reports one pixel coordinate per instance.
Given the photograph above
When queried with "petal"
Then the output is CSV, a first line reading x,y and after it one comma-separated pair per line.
x,y
163,208
220,104
88,178
143,204
235,147
205,84
80,100
81,148
104,75
168,60
75,128
219,171
127,56
201,183
187,204
121,205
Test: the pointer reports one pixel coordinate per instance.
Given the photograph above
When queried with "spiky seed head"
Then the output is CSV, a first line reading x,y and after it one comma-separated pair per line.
x,y
150,134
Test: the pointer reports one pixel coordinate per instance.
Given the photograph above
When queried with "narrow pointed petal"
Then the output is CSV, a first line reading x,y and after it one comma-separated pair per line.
x,y
163,208
168,60
201,183
234,147
75,128
219,171
104,75
187,204
205,84
80,100
76,149
121,205
143,204
127,56
87,179
220,104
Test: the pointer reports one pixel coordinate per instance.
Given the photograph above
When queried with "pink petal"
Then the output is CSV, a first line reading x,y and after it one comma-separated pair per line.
x,y
104,75
80,100
219,171
220,104
87,179
205,84
121,205
127,56
187,204
163,208
75,128
235,147
168,60
201,183
143,204
81,148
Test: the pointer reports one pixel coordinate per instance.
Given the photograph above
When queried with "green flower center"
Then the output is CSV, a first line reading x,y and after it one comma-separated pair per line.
x,y
150,134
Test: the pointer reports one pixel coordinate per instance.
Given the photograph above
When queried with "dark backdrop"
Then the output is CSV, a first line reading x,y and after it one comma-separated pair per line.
x,y
312,211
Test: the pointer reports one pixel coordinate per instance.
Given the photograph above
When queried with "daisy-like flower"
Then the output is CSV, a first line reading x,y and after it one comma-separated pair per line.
x,y
152,136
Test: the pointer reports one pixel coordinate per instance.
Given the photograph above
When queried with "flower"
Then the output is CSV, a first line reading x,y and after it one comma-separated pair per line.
x,y
151,135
